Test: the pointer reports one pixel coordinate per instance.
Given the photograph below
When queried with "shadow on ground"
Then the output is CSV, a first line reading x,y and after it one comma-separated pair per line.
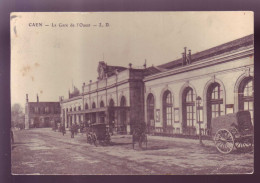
x,y
119,144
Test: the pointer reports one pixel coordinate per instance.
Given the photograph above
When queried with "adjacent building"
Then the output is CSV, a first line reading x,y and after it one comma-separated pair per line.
x,y
172,98
41,114
116,98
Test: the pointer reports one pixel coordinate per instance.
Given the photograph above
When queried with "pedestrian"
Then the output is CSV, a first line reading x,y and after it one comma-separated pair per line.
x,y
112,127
12,136
63,130
72,131
76,127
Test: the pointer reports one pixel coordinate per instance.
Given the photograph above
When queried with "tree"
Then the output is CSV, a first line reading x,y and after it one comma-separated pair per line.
x,y
17,116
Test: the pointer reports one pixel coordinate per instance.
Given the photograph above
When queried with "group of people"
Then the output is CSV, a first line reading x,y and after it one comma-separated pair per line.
x,y
75,128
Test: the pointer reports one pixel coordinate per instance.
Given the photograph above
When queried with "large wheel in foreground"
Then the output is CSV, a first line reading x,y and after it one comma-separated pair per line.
x,y
224,141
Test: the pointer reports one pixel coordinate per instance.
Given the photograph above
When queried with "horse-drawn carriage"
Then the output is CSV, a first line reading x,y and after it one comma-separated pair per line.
x,y
98,133
139,135
233,130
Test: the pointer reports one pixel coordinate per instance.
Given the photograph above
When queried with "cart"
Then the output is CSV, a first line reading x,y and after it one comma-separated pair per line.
x,y
139,135
98,133
233,130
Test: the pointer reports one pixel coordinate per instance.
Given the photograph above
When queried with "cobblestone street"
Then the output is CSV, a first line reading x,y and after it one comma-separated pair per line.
x,y
43,151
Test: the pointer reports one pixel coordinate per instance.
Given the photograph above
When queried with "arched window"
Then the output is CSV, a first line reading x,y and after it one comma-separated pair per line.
x,y
102,114
246,96
150,111
87,115
188,109
86,106
102,104
111,113
122,115
79,108
122,101
215,105
93,105
93,114
167,109
111,103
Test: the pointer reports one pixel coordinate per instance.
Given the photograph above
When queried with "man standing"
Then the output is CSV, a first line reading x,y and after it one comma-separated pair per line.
x,y
63,130
72,130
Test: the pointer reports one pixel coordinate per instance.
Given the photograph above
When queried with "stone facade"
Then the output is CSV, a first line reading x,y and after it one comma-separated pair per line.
x,y
222,77
115,99
166,96
41,114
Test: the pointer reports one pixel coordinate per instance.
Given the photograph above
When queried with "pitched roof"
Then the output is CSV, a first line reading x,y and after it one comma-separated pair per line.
x,y
232,45
152,70
110,70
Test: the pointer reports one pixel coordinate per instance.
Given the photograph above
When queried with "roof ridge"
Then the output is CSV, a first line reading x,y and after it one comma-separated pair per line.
x,y
212,50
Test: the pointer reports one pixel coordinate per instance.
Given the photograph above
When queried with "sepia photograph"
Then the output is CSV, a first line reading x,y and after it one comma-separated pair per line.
x,y
132,93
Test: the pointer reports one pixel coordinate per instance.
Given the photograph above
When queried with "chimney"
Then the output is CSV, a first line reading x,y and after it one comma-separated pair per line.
x,y
186,59
183,59
145,64
130,65
37,98
185,55
189,57
27,100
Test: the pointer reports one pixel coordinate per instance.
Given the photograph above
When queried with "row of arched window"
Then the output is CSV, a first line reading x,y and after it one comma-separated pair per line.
x,y
111,103
214,101
93,106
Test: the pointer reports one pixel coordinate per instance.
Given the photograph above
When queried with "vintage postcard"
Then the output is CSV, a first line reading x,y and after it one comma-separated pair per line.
x,y
132,93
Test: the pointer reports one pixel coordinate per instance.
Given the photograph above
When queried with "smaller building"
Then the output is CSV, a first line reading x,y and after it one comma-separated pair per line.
x,y
41,114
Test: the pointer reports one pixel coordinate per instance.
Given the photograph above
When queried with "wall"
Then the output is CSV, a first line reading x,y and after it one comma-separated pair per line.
x,y
226,74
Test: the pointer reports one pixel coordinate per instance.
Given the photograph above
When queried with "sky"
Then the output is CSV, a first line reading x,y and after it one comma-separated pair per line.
x,y
48,60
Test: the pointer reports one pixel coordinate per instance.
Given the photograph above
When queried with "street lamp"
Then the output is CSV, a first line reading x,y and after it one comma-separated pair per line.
x,y
198,99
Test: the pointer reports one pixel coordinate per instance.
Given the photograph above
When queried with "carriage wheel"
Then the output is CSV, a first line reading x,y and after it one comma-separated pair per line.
x,y
244,144
224,141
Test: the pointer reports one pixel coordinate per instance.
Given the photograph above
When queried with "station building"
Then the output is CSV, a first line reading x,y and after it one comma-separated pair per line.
x,y
41,114
177,97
